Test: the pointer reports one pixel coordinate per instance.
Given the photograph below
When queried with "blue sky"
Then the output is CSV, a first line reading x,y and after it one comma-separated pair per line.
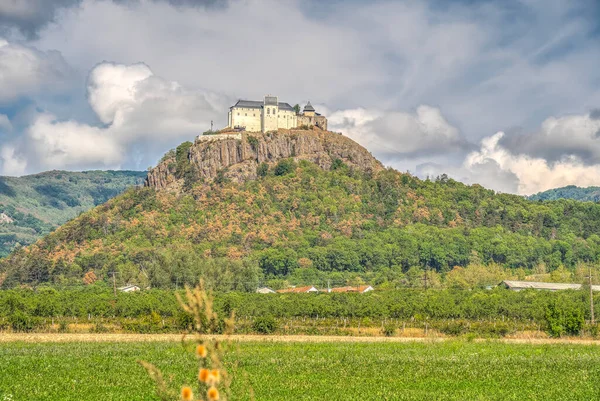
x,y
500,93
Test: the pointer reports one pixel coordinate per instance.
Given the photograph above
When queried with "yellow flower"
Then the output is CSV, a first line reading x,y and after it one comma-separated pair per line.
x,y
212,394
186,394
203,375
216,375
201,351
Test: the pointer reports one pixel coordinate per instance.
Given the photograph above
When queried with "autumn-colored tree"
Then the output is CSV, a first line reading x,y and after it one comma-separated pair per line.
x,y
90,278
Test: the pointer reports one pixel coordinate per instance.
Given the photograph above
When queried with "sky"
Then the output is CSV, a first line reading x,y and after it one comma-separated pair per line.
x,y
505,94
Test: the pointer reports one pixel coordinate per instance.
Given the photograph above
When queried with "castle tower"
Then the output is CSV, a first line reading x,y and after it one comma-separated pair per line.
x,y
270,114
309,110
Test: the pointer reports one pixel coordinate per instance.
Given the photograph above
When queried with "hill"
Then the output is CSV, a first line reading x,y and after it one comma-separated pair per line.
x,y
305,206
34,205
589,194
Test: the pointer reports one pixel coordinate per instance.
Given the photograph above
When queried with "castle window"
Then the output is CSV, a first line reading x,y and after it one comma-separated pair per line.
x,y
268,111
246,114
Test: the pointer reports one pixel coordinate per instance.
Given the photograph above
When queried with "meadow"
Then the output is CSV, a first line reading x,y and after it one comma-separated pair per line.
x,y
450,370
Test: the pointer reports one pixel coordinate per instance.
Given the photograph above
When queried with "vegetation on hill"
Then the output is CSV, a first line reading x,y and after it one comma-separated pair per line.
x,y
34,205
302,223
589,194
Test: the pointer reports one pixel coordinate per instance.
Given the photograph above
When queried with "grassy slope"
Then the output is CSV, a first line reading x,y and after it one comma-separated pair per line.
x,y
41,202
284,371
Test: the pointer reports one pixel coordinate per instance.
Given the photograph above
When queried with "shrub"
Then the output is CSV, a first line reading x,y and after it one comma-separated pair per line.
x,y
285,166
388,330
563,319
264,324
184,321
338,164
221,178
63,327
262,169
22,322
454,328
253,141
100,328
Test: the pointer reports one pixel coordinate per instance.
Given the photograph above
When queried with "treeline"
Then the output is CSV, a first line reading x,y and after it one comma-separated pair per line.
x,y
415,304
298,222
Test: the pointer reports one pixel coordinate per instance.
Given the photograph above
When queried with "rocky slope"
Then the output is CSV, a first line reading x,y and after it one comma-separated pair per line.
x,y
237,156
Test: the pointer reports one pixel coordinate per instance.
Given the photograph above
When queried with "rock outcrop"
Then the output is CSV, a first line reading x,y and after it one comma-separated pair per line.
x,y
237,158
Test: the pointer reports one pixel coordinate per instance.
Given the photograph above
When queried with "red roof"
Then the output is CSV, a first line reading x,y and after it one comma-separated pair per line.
x,y
297,289
348,288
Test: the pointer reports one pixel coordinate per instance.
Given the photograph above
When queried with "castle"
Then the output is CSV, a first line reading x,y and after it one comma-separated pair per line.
x,y
270,115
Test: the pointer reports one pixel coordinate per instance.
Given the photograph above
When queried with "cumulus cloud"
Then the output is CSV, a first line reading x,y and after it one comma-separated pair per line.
x,y
12,164
497,167
138,110
70,144
26,71
572,135
112,89
397,134
534,174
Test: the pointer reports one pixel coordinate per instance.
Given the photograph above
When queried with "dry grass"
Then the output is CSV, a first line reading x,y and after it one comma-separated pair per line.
x,y
120,338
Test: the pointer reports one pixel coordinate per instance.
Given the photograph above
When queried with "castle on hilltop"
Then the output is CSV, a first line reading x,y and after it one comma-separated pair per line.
x,y
271,114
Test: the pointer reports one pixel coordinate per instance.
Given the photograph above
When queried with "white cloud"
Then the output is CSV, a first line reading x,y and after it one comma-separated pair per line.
x,y
12,164
396,134
26,71
559,137
112,89
139,110
496,167
71,145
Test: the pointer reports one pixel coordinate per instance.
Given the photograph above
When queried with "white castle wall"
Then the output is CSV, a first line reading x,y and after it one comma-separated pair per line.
x,y
218,137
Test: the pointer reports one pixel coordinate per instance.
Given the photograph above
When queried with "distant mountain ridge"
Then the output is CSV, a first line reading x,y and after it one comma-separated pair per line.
x,y
32,206
589,194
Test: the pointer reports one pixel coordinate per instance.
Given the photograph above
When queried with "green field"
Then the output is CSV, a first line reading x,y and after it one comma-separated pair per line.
x,y
456,370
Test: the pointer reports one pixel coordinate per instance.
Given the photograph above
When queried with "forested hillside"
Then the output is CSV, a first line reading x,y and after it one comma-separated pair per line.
x,y
297,221
33,205
591,194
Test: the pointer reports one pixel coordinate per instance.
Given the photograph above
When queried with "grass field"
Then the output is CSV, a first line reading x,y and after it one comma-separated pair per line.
x,y
450,370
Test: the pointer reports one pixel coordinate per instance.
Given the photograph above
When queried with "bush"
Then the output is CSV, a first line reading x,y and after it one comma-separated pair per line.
x,y
100,328
563,319
285,166
262,169
338,164
22,322
184,321
264,325
63,327
253,141
454,328
388,330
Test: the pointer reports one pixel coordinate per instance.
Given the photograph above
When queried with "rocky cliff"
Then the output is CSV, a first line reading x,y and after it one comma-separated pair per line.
x,y
238,156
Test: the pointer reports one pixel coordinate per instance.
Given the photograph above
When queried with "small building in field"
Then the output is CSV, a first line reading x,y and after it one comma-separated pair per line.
x,y
129,288
349,288
537,285
298,290
265,290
